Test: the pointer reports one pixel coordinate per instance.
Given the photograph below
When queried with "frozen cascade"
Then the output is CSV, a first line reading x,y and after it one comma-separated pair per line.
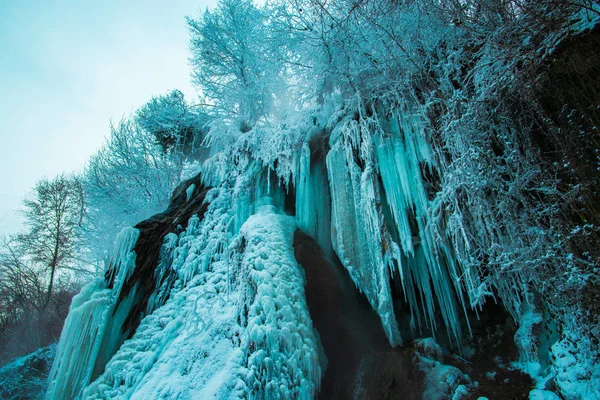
x,y
236,315
92,333
358,234
226,314
281,346
313,201
427,258
171,349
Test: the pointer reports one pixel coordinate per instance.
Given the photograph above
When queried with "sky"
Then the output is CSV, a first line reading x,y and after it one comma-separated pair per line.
x,y
67,67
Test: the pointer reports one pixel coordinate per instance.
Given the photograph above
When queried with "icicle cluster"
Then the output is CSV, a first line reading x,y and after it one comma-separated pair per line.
x,y
228,317
313,200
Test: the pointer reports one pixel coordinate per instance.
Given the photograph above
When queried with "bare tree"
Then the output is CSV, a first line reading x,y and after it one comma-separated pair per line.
x,y
53,215
129,179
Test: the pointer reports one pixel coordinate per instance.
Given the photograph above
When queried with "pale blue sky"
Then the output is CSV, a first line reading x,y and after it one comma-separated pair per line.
x,y
67,67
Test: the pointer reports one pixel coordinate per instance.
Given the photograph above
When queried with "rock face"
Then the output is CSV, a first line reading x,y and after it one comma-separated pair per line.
x,y
187,200
360,362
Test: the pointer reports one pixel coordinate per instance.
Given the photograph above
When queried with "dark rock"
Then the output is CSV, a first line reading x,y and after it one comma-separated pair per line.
x,y
361,364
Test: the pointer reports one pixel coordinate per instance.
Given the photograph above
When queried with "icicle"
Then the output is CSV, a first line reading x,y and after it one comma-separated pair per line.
x,y
401,152
165,260
313,202
356,234
189,191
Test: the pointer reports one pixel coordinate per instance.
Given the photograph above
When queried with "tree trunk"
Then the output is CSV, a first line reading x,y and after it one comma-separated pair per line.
x,y
52,271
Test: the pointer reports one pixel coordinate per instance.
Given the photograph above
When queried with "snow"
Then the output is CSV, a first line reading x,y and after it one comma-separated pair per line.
x,y
577,372
527,342
491,375
441,381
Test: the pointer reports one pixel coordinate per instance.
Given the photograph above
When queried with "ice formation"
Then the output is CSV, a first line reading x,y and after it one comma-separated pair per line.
x,y
313,199
386,220
92,331
237,263
236,320
441,381
228,316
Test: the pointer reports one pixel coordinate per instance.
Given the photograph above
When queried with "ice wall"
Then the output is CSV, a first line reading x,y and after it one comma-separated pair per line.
x,y
92,331
228,315
313,201
235,323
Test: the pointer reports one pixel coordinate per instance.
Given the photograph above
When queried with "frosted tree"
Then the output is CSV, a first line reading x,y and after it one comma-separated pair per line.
x,y
232,60
126,181
177,127
53,215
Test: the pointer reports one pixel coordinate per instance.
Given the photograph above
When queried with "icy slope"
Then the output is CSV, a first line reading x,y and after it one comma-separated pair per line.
x,y
92,331
236,322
